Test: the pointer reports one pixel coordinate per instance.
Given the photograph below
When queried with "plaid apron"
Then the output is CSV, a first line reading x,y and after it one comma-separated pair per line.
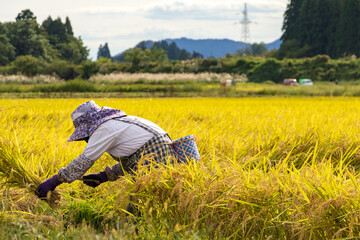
x,y
157,150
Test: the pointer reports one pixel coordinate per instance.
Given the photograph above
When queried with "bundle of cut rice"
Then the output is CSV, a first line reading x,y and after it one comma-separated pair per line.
x,y
14,174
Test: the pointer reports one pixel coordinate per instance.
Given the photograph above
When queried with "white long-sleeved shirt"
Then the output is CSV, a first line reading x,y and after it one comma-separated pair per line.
x,y
115,137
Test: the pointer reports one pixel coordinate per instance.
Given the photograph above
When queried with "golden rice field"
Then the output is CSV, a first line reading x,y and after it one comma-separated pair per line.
x,y
270,168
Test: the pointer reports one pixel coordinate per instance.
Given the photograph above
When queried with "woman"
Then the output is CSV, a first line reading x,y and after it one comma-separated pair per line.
x,y
126,138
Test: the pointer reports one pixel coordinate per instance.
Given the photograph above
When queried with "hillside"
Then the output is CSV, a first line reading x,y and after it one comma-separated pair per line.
x,y
211,47
216,47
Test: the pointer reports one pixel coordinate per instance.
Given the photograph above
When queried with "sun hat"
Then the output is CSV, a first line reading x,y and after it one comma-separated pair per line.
x,y
87,118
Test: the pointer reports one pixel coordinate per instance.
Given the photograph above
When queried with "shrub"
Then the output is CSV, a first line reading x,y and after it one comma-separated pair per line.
x,y
89,68
205,64
268,70
27,65
64,69
245,65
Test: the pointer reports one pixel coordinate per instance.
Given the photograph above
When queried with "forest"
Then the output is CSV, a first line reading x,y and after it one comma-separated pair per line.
x,y
313,27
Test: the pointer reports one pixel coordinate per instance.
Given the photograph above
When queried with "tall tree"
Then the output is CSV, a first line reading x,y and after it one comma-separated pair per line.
x,y
23,35
104,51
68,27
332,30
197,55
25,15
291,16
348,28
61,37
316,14
56,30
304,22
184,55
173,51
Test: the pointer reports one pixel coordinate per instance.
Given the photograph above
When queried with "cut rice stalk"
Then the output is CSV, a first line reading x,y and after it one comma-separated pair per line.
x,y
15,175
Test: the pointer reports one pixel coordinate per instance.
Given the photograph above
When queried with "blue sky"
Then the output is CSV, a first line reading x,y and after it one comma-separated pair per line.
x,y
124,23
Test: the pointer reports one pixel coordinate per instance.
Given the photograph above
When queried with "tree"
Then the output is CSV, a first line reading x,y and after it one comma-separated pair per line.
x,y
7,50
173,51
134,55
73,51
68,27
319,38
258,49
104,51
51,41
322,27
291,16
163,45
55,30
348,29
293,49
27,40
157,55
62,39
141,45
255,49
159,45
197,55
25,15
184,55
332,29
143,58
244,51
304,22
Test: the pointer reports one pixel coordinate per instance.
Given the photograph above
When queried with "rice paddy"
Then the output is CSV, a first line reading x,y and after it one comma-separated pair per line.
x,y
270,168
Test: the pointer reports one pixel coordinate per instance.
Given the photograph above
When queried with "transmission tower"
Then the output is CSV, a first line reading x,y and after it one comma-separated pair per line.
x,y
245,33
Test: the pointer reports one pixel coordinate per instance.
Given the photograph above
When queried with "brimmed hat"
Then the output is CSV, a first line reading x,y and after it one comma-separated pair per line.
x,y
88,117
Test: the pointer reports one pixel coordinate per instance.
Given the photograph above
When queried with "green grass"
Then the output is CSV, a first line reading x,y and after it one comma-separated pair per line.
x,y
163,88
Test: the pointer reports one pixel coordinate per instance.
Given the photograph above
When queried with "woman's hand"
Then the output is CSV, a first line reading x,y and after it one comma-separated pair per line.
x,y
48,185
94,180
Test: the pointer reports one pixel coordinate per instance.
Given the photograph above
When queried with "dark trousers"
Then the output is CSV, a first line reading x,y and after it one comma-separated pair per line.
x,y
133,209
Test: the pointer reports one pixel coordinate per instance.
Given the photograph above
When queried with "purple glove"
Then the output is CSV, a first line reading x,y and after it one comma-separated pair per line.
x,y
94,180
46,186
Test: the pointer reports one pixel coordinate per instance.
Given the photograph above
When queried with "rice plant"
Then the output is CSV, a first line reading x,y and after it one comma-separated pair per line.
x,y
15,174
270,168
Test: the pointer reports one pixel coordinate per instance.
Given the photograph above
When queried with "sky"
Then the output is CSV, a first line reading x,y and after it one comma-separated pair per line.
x,y
123,23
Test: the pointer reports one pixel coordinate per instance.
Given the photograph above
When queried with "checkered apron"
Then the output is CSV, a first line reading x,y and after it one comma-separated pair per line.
x,y
157,150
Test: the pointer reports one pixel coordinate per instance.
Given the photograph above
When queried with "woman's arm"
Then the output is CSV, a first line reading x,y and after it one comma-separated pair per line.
x,y
76,168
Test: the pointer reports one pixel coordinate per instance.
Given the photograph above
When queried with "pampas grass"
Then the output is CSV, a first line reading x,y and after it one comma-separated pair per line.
x,y
170,77
22,79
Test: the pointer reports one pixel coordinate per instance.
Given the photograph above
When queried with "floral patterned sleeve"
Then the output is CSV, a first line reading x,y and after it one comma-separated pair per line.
x,y
78,167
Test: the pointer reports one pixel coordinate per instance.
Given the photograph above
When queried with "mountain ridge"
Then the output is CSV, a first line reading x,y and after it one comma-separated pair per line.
x,y
210,47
